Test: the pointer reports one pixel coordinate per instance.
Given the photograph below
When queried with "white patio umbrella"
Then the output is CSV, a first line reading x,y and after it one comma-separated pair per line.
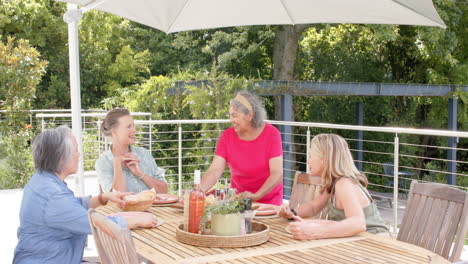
x,y
183,15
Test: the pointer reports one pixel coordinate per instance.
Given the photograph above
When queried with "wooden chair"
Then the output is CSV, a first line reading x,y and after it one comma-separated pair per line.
x,y
435,217
114,244
305,188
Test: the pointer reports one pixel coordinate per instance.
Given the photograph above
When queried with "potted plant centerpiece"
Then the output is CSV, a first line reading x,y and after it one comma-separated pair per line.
x,y
225,217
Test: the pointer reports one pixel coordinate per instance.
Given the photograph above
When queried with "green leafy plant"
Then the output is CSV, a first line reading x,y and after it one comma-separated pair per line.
x,y
224,208
21,70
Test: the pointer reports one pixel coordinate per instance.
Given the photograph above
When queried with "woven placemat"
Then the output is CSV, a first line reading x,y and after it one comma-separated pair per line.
x,y
260,234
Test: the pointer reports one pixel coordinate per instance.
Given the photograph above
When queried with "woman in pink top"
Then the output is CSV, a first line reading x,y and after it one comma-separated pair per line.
x,y
253,150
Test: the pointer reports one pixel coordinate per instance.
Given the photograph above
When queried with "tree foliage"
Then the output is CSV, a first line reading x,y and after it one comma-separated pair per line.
x,y
21,70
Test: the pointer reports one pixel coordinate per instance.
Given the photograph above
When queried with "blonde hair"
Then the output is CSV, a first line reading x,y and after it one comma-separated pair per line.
x,y
337,161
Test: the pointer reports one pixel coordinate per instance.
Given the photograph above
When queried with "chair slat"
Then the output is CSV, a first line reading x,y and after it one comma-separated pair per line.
x,y
309,180
454,219
460,236
421,228
432,224
408,216
414,227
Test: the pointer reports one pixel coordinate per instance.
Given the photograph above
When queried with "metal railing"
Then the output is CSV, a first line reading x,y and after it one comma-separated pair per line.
x,y
181,146
400,148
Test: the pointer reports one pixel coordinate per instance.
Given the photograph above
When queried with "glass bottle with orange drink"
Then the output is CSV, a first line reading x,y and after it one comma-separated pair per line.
x,y
196,205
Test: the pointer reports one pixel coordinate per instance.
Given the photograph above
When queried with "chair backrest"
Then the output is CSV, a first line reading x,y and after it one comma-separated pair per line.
x,y
304,189
114,244
435,217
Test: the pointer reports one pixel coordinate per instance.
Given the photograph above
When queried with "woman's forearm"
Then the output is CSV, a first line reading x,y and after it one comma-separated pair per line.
x,y
313,207
158,185
275,178
96,201
118,182
270,183
209,179
308,209
93,202
332,229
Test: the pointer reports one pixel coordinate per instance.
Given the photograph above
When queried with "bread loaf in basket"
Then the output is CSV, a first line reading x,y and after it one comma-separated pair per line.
x,y
139,202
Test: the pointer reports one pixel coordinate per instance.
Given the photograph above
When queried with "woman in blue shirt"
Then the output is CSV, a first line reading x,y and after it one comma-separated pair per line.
x,y
53,222
125,167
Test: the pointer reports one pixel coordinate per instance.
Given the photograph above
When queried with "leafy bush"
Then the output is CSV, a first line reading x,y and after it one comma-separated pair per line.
x,y
17,167
20,72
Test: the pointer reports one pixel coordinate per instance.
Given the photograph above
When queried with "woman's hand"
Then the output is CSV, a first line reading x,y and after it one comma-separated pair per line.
x,y
146,220
139,219
116,197
246,195
285,212
133,164
305,230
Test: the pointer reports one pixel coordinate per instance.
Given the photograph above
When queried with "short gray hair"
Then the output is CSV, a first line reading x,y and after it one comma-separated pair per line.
x,y
52,149
259,112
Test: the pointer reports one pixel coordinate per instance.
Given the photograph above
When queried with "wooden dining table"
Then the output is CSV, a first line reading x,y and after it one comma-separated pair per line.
x,y
159,245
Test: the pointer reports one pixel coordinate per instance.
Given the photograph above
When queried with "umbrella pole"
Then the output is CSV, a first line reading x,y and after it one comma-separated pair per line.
x,y
72,18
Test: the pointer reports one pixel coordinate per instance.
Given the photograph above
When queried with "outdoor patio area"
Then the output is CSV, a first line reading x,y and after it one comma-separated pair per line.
x,y
234,132
189,144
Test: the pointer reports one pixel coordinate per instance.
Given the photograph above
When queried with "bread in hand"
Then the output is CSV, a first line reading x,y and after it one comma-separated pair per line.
x,y
143,196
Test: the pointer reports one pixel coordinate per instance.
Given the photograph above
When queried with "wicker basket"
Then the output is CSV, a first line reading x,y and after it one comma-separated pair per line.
x,y
260,234
141,206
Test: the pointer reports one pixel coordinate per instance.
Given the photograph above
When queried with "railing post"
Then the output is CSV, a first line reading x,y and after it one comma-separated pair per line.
x,y
99,138
452,142
42,124
286,112
396,155
180,161
150,135
359,135
308,149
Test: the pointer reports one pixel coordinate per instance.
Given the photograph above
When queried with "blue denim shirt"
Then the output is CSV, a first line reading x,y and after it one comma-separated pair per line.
x,y
53,222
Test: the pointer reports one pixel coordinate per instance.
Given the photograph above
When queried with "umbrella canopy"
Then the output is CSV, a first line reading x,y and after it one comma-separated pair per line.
x,y
182,15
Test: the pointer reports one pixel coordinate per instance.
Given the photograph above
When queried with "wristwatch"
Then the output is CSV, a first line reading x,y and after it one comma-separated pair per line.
x,y
294,213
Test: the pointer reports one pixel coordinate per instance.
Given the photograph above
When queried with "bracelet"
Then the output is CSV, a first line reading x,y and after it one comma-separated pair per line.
x,y
101,200
142,176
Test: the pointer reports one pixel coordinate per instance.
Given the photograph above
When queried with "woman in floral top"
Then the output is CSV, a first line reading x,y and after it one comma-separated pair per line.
x,y
124,167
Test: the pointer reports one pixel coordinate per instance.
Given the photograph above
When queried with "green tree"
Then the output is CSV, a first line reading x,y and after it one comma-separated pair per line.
x,y
21,70
125,75
40,22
